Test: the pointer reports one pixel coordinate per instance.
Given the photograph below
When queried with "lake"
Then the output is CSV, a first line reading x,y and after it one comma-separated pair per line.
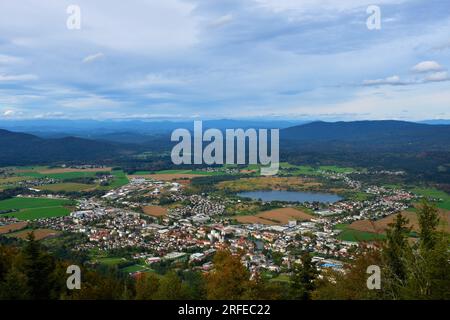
x,y
291,196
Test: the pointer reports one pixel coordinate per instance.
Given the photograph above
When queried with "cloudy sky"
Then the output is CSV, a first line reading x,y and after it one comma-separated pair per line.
x,y
178,59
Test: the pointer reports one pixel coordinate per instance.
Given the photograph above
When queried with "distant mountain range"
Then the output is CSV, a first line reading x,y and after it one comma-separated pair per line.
x,y
384,134
22,149
320,137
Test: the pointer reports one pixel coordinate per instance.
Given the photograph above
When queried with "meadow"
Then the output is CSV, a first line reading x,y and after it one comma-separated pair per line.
x,y
348,234
35,208
444,197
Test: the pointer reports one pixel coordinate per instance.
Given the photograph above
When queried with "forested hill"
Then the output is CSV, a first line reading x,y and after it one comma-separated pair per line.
x,y
369,134
21,148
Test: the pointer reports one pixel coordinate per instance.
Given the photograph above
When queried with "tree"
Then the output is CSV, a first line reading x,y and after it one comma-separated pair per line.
x,y
351,284
429,276
303,278
171,288
395,252
428,222
147,285
14,286
229,280
38,267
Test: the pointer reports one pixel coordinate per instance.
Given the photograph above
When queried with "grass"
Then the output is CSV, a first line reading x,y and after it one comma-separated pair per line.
x,y
35,208
27,203
120,179
136,268
40,213
348,234
111,261
174,171
281,278
68,186
337,169
435,194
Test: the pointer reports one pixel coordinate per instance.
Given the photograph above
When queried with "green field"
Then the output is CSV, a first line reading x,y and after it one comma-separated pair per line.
x,y
435,194
35,208
40,213
199,172
120,179
337,169
348,234
111,261
60,176
136,268
67,186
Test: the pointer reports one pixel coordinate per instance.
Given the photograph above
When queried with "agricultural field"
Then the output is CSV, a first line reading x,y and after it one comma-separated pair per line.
x,y
66,176
349,234
155,211
39,234
444,197
269,183
68,186
120,179
167,176
275,217
170,175
13,227
381,225
35,208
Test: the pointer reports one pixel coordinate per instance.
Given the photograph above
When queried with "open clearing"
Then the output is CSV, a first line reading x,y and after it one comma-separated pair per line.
x,y
39,234
381,225
277,216
13,227
155,211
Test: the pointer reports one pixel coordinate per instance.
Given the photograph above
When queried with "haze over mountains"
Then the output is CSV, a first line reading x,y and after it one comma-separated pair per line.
x,y
92,143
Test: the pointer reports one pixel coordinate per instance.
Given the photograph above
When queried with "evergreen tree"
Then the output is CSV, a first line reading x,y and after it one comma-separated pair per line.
x,y
14,286
394,252
303,278
38,267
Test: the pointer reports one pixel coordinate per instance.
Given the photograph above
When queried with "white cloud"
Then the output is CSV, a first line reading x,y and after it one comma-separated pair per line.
x,y
305,6
394,80
6,59
154,79
17,77
427,66
221,21
8,113
437,76
93,57
89,102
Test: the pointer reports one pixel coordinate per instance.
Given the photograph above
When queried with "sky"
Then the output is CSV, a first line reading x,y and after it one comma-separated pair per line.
x,y
241,59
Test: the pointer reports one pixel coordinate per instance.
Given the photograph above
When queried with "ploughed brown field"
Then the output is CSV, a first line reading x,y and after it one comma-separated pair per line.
x,y
13,227
167,176
275,217
381,225
65,170
39,234
155,211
